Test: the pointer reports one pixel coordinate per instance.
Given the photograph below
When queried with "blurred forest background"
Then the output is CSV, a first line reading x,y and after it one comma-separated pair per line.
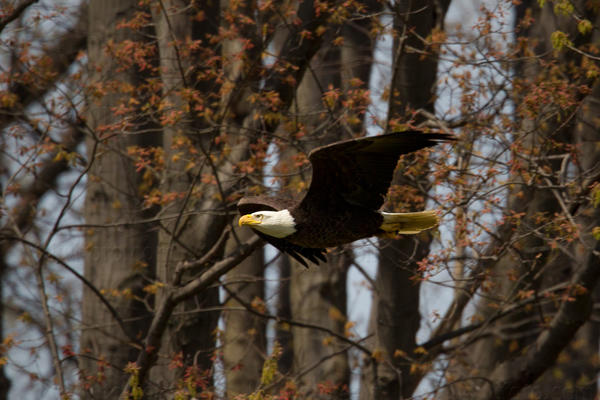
x,y
130,129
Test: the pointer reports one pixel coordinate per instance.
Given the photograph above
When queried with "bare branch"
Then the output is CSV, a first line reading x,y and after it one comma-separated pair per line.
x,y
217,270
56,61
23,213
16,13
173,297
300,324
83,280
208,257
571,315
49,331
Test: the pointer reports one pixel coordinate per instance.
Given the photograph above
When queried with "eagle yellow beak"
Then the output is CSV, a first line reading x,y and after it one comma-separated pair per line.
x,y
248,219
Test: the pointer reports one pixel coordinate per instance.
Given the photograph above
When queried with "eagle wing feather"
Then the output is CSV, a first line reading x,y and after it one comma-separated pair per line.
x,y
359,171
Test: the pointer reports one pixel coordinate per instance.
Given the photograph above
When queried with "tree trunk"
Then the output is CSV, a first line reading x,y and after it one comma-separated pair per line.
x,y
244,336
283,333
574,373
318,295
202,155
395,313
5,383
116,259
190,333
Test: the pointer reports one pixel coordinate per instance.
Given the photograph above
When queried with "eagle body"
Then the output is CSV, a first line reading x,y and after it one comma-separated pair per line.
x,y
335,228
349,182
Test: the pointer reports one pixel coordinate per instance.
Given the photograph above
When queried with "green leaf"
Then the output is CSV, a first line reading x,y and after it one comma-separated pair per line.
x,y
563,7
596,196
584,26
559,40
596,233
268,372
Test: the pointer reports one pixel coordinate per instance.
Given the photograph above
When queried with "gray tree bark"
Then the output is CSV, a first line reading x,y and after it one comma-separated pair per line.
x,y
121,257
5,383
395,314
190,333
244,340
283,333
318,296
244,336
319,292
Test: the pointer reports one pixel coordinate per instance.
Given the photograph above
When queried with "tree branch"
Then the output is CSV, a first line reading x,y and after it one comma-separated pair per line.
x,y
49,330
16,13
174,296
297,51
23,213
206,258
300,324
56,61
571,315
83,280
216,271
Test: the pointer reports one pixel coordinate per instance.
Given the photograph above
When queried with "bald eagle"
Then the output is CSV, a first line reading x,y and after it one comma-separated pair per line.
x,y
349,182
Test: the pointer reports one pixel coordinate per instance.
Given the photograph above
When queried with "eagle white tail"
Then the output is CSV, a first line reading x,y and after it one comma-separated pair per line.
x,y
408,223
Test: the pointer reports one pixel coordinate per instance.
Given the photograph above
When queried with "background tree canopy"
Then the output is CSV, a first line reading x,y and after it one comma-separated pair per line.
x,y
131,128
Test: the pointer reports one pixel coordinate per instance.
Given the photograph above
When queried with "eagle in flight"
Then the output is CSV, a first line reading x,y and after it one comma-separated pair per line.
x,y
350,179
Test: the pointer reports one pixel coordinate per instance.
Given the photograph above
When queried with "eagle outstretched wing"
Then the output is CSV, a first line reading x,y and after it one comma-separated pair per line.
x,y
359,171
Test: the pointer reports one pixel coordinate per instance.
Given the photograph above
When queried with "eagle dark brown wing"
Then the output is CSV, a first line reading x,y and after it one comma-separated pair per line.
x,y
248,205
359,171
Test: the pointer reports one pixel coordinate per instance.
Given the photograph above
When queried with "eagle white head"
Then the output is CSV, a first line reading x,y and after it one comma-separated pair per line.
x,y
278,224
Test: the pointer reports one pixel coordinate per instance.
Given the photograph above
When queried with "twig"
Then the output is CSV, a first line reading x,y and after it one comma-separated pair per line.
x,y
583,53
442,336
213,273
22,213
570,316
49,332
16,13
364,273
187,265
299,324
83,280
